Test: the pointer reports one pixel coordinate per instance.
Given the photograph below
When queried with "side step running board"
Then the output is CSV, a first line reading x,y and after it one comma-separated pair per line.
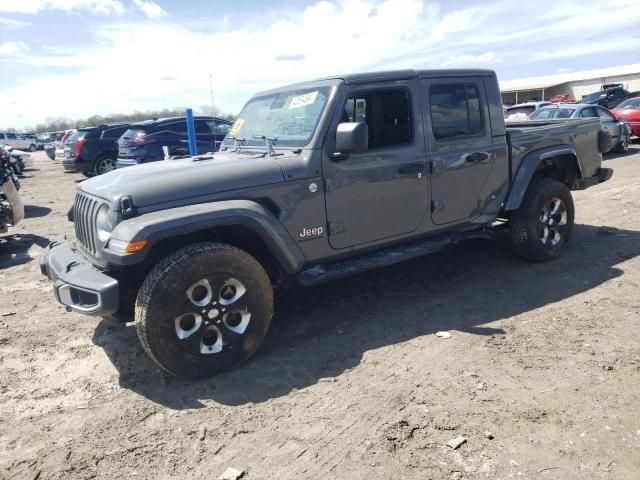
x,y
380,258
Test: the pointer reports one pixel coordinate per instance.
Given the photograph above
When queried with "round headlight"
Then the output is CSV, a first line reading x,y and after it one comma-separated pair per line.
x,y
105,223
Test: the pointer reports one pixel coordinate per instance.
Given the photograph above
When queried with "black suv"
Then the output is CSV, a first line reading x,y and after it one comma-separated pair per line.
x,y
610,96
143,142
93,150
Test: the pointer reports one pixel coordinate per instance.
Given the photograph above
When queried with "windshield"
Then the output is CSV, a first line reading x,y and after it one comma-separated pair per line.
x,y
290,117
629,104
594,96
545,113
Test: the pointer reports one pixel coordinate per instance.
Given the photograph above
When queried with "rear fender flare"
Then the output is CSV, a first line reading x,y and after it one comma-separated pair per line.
x,y
174,222
528,168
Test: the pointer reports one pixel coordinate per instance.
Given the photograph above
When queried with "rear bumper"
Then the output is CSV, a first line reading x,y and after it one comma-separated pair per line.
x,y
127,162
76,165
604,174
77,284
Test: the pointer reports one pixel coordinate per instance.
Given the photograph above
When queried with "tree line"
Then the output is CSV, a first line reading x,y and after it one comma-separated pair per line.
x,y
56,124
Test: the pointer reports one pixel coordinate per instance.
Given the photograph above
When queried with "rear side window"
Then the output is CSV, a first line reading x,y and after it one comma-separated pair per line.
x,y
386,113
177,127
11,136
202,127
588,113
456,110
114,133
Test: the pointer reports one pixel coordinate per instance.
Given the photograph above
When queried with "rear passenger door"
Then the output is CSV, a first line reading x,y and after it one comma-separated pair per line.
x,y
205,139
461,148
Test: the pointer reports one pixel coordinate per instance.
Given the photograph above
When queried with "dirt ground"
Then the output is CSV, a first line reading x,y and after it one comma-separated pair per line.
x,y
352,383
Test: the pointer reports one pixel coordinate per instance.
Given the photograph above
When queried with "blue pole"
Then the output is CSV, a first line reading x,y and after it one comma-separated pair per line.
x,y
191,131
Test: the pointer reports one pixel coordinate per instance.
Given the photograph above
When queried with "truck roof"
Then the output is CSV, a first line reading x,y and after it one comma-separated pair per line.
x,y
384,76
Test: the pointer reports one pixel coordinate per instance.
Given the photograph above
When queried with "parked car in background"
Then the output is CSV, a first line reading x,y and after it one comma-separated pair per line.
x,y
607,97
143,142
618,129
522,111
59,145
16,140
50,146
562,98
93,150
629,110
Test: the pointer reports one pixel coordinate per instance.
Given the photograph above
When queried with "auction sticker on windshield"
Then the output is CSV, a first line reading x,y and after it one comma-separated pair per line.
x,y
303,100
236,127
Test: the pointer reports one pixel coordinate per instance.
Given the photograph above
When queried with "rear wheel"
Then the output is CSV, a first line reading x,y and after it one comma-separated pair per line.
x,y
104,165
542,226
32,148
623,146
204,309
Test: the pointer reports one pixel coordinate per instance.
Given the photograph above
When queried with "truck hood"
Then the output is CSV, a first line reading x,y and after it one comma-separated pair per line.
x,y
173,181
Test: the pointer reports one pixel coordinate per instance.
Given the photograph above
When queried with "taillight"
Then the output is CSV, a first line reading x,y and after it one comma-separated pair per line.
x,y
78,146
142,139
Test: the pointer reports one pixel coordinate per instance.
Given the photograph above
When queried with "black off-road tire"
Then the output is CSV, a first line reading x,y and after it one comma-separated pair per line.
x,y
164,296
527,223
33,148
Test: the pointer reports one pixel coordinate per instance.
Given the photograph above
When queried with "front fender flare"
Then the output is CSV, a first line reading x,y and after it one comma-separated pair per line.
x,y
528,168
163,224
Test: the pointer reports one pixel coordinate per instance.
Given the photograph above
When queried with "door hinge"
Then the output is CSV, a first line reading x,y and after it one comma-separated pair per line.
x,y
437,166
336,228
438,205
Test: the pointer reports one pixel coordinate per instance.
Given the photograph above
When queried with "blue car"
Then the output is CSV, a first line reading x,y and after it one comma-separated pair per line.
x,y
143,142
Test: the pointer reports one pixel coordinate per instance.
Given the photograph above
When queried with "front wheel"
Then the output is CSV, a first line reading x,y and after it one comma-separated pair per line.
x,y
204,309
542,226
32,148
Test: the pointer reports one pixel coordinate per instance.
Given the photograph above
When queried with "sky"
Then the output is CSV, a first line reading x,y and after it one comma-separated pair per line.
x,y
76,58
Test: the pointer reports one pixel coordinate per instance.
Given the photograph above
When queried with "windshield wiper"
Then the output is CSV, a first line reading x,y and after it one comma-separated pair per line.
x,y
269,141
236,142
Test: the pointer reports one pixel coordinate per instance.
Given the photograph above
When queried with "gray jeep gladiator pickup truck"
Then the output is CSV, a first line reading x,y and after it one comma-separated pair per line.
x,y
315,181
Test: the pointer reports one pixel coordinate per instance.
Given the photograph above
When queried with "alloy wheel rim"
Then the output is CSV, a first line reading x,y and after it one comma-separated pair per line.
x,y
106,165
215,314
552,223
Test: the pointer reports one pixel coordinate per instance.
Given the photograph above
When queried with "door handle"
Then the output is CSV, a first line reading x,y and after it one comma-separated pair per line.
x,y
477,157
411,168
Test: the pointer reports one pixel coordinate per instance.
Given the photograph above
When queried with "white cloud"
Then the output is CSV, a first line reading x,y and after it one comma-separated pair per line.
x,y
9,22
12,48
104,7
325,38
150,8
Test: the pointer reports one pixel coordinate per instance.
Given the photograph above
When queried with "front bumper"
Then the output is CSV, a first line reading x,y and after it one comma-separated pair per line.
x,y
77,284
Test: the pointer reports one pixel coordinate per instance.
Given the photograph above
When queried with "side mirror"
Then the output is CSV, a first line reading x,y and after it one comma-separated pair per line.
x,y
352,137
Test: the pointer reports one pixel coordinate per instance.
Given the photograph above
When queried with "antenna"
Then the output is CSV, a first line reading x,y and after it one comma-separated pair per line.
x,y
211,90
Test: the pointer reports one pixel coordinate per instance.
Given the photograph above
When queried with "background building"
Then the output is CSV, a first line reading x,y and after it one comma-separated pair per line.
x,y
575,84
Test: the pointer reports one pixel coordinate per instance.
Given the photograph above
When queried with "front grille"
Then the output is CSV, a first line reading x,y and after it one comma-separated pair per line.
x,y
85,211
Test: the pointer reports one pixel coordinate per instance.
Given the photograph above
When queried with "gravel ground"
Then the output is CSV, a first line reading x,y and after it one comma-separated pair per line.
x,y
352,382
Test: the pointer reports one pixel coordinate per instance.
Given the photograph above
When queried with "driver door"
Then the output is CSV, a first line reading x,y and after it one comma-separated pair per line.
x,y
381,192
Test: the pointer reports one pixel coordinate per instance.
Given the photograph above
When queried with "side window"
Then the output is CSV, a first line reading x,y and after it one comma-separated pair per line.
x,y
588,113
455,110
202,127
11,136
386,113
221,128
606,116
177,127
114,133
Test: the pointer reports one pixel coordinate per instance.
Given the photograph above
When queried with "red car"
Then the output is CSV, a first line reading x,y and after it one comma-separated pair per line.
x,y
562,98
629,110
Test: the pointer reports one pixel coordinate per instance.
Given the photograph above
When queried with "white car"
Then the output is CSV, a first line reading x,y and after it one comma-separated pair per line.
x,y
16,140
14,153
520,112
